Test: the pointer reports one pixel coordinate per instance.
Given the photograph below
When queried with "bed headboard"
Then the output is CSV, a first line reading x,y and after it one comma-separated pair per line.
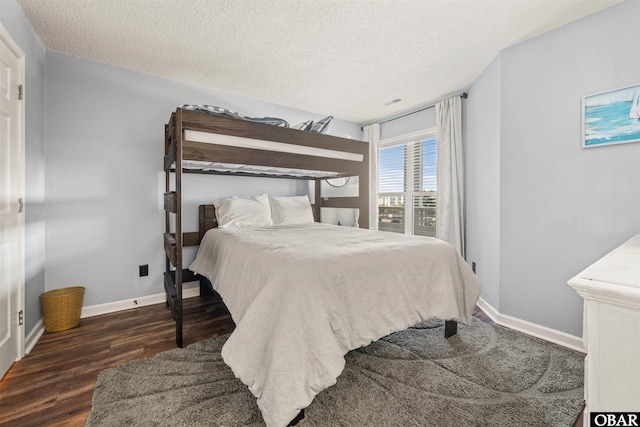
x,y
207,219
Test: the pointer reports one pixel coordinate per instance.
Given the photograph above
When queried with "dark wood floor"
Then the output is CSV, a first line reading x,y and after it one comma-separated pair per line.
x,y
53,385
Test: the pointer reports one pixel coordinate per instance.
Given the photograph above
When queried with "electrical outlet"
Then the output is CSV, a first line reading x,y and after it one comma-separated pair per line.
x,y
144,270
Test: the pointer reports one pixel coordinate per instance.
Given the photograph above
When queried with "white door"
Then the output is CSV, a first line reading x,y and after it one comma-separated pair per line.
x,y
11,203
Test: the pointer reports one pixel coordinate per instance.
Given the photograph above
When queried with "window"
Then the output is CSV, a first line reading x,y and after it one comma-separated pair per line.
x,y
407,177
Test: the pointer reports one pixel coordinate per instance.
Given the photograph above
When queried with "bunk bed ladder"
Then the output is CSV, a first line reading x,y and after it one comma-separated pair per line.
x,y
173,242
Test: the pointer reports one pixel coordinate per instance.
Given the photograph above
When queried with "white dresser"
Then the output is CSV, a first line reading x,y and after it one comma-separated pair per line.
x,y
611,291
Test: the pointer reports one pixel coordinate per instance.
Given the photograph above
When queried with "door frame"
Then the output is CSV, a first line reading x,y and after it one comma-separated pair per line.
x,y
6,38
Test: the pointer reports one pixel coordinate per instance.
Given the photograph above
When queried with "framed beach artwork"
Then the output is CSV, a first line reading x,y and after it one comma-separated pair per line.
x,y
611,117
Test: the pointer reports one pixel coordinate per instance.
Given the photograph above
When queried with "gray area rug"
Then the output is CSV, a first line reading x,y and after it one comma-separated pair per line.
x,y
484,376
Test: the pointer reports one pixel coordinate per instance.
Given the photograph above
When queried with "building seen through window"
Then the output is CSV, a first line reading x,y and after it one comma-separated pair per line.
x,y
407,186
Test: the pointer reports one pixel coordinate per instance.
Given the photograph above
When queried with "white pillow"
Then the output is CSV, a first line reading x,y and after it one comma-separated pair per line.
x,y
243,211
291,210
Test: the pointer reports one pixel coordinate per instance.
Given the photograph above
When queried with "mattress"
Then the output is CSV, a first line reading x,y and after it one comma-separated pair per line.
x,y
234,168
303,296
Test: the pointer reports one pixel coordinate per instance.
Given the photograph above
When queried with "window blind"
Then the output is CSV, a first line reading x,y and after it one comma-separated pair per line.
x,y
391,169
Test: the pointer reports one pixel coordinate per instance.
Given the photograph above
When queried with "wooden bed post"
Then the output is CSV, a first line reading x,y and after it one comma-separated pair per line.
x,y
167,216
178,189
450,328
297,419
363,193
317,207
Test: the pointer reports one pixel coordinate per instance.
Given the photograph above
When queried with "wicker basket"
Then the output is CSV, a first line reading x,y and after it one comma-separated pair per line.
x,y
61,308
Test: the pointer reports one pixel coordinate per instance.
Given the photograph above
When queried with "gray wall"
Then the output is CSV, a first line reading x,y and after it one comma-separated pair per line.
x,y
104,152
20,29
482,180
561,206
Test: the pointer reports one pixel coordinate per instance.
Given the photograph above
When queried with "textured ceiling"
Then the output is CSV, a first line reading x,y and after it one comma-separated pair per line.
x,y
345,58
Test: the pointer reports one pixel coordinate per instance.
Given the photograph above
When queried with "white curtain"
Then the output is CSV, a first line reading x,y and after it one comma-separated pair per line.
x,y
372,135
449,199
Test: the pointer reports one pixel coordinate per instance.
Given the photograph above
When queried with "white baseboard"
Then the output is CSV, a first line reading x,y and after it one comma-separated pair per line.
x,y
33,336
188,291
542,332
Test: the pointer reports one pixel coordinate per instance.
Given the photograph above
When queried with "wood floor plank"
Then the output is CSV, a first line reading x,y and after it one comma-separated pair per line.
x,y
53,385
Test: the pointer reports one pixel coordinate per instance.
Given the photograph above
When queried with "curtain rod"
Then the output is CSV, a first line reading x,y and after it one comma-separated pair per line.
x,y
463,95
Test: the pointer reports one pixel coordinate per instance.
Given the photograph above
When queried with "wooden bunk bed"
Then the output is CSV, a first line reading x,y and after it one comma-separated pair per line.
x,y
197,142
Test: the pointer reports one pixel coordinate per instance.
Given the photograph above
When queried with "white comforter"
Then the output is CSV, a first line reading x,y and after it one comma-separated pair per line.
x,y
303,296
